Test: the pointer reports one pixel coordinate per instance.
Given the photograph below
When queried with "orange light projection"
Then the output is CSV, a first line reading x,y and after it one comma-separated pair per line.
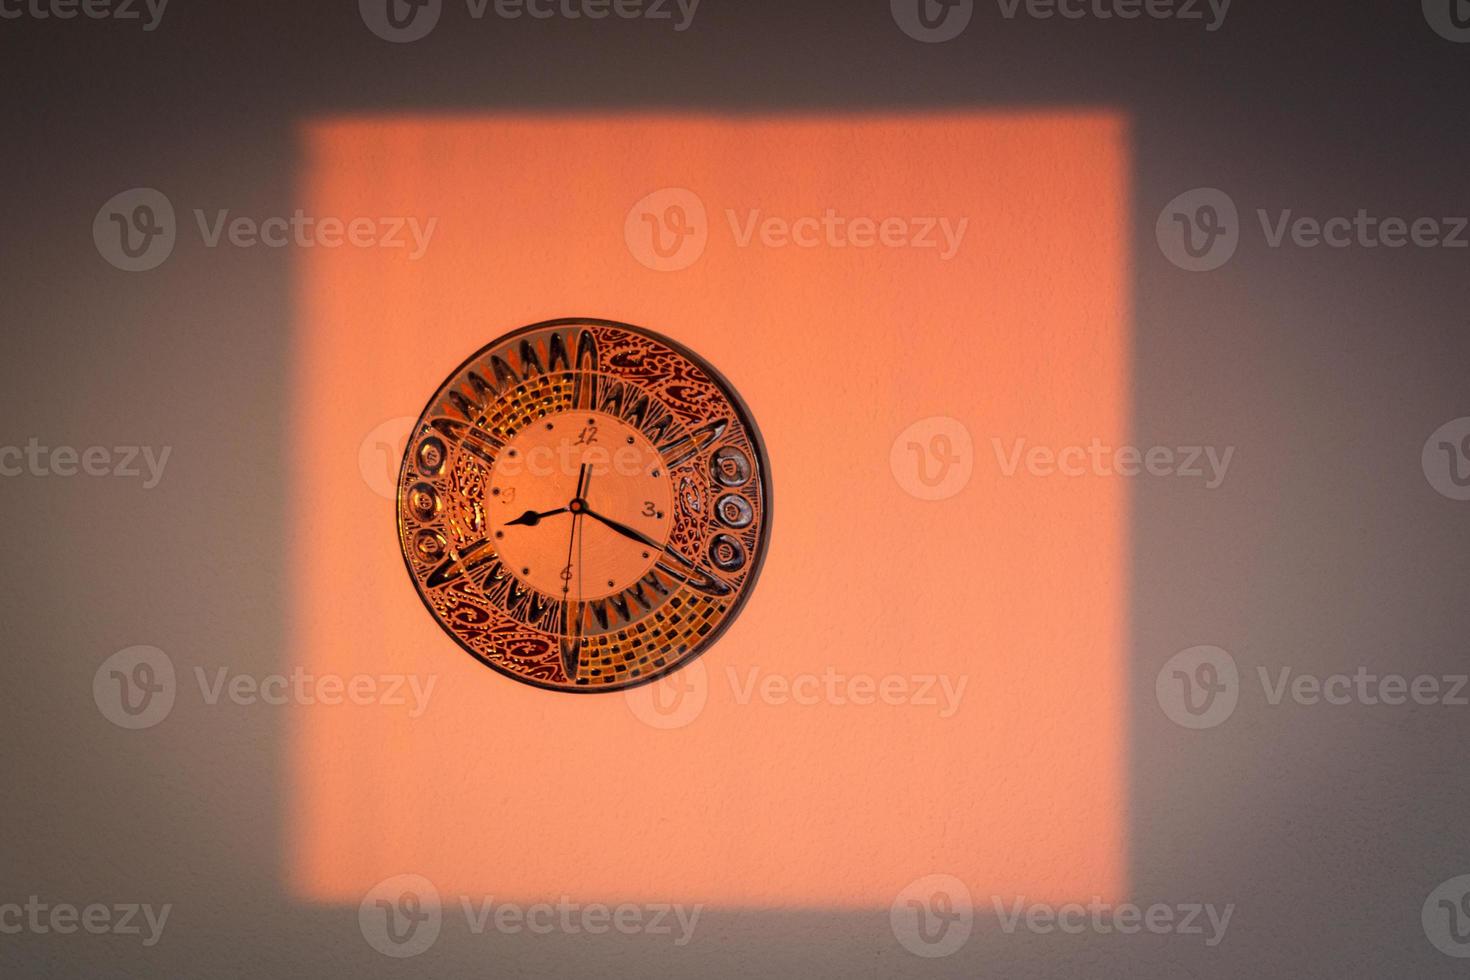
x,y
917,685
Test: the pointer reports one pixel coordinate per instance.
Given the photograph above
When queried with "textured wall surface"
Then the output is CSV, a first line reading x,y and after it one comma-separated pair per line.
x,y
1218,765
976,613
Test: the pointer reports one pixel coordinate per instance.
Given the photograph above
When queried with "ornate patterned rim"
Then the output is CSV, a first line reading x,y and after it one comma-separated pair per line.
x,y
679,400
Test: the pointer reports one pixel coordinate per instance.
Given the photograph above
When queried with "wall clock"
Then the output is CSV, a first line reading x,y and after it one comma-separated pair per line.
x,y
584,505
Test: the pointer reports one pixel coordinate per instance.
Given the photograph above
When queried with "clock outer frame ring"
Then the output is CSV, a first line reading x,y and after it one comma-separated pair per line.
x,y
758,442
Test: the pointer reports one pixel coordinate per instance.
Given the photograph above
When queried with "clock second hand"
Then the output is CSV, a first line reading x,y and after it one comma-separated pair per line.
x,y
571,647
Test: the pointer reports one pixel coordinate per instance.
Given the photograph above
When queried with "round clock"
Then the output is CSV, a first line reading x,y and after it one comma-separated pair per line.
x,y
584,505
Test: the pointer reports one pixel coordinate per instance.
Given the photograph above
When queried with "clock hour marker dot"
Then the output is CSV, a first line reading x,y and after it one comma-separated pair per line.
x,y
501,534
610,583
495,491
525,571
630,440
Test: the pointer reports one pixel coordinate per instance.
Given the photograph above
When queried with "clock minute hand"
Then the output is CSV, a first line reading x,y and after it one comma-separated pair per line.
x,y
623,529
688,572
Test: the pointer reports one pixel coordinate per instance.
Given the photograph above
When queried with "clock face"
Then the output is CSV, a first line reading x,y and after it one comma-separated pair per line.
x,y
584,505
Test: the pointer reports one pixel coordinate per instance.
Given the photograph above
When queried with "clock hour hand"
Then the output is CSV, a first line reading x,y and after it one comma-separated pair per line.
x,y
530,518
677,565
